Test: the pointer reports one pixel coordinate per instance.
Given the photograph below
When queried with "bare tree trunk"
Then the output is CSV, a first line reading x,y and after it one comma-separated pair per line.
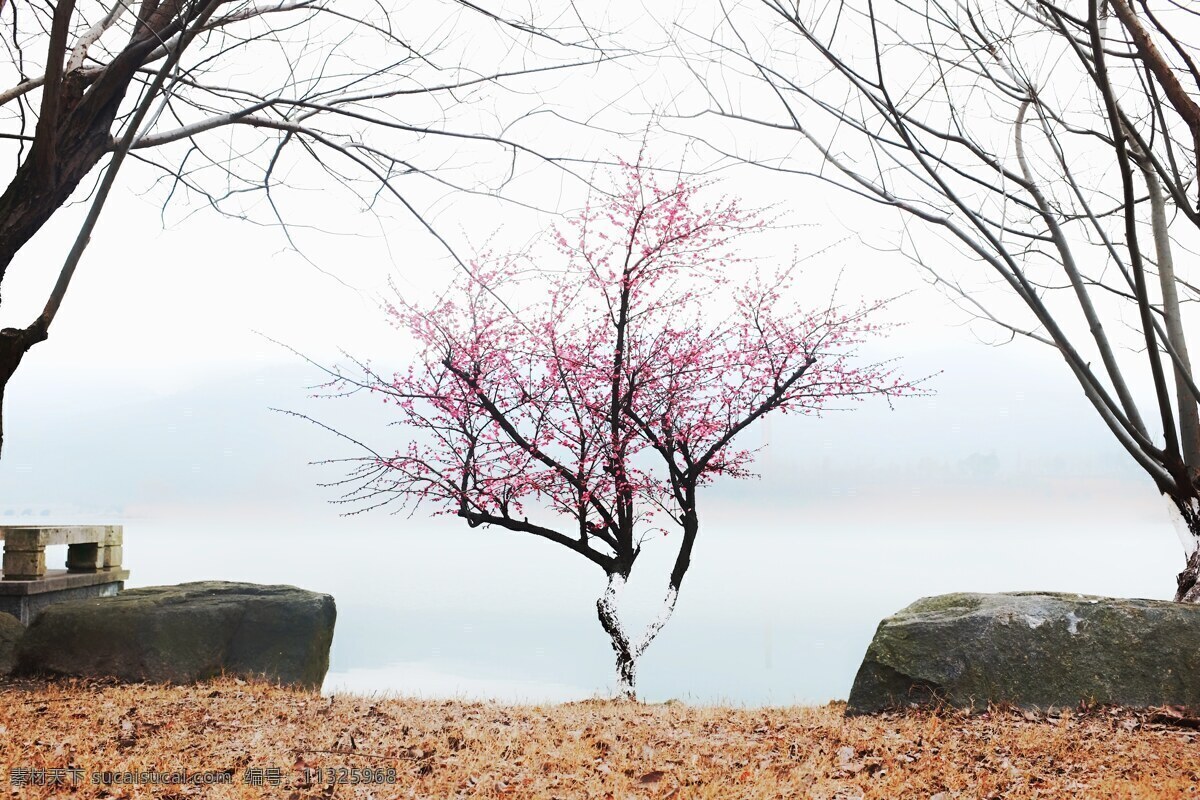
x,y
1188,581
14,343
72,136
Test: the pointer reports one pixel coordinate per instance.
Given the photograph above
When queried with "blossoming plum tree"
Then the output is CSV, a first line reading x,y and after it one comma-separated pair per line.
x,y
594,416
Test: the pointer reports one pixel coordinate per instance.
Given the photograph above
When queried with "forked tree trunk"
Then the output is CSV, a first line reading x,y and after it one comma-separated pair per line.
x,y
72,135
627,650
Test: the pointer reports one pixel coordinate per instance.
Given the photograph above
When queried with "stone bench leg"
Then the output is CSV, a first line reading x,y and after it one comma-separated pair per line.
x,y
111,551
85,557
24,565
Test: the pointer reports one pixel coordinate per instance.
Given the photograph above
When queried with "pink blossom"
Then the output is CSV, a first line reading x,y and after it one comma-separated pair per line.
x,y
616,394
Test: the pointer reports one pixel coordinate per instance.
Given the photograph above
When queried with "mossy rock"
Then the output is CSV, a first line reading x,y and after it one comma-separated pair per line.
x,y
1033,650
186,633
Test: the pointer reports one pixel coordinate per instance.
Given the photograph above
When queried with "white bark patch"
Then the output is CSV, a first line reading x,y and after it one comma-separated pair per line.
x,y
1073,623
1187,537
1034,622
608,607
656,625
612,594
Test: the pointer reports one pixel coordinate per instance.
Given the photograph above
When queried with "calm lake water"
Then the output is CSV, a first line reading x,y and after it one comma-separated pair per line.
x,y
778,609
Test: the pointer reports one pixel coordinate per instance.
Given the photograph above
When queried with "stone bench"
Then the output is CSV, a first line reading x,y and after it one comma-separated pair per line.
x,y
93,567
90,548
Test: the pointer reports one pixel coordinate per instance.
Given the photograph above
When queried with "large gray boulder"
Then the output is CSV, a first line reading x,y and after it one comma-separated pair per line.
x,y
186,633
1033,650
11,631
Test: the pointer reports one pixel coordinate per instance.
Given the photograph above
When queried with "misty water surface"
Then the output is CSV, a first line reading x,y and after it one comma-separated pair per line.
x,y
773,611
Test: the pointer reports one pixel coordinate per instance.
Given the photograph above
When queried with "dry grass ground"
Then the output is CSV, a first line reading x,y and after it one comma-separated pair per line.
x,y
592,749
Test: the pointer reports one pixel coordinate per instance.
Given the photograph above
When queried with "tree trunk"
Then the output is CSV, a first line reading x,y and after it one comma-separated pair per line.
x,y
71,136
627,651
1188,581
1189,413
14,343
606,610
38,189
626,672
